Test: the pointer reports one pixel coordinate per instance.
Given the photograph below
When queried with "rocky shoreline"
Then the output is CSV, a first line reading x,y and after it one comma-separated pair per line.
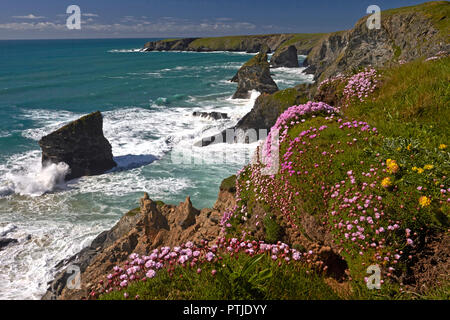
x,y
152,225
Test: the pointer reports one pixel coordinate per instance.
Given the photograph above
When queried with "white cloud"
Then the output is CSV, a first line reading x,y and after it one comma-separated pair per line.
x,y
172,26
89,15
30,17
22,26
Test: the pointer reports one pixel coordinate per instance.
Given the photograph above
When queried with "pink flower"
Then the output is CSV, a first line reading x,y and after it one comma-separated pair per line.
x,y
150,274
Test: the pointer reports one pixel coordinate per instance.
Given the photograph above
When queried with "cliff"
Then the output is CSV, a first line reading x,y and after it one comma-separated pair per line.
x,y
251,44
406,34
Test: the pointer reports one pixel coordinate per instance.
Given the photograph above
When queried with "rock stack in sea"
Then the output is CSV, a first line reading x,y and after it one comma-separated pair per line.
x,y
254,75
285,57
81,145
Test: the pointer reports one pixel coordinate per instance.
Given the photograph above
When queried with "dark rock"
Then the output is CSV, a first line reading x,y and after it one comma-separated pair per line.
x,y
81,145
213,115
254,75
4,242
285,57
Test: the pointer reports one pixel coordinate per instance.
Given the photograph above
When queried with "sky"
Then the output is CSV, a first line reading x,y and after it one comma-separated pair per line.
x,y
46,19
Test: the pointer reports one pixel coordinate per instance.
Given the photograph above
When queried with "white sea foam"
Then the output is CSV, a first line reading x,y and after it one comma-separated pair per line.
x,y
126,50
7,229
37,180
289,77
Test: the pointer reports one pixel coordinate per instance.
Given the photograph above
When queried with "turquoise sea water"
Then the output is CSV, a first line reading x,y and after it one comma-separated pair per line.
x,y
147,99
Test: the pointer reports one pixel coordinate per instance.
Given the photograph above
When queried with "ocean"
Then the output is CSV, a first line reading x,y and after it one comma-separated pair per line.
x,y
147,100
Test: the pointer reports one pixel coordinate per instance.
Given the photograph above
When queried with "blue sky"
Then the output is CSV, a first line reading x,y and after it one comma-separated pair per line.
x,y
46,19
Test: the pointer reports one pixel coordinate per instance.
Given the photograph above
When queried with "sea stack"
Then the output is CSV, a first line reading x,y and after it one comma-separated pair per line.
x,y
254,75
285,57
81,145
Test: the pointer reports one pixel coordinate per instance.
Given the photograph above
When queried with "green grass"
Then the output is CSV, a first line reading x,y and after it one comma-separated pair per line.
x,y
133,212
303,41
414,102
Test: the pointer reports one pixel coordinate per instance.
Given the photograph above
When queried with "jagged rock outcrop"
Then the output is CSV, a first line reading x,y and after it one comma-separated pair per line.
x,y
254,75
405,34
151,226
212,115
285,57
81,145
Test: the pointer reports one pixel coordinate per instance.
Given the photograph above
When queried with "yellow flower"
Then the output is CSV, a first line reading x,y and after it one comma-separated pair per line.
x,y
399,148
419,170
414,168
409,147
428,167
424,201
386,182
392,166
442,146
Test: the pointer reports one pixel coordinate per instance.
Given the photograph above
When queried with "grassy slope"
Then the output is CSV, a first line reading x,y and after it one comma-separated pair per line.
x,y
414,102
411,112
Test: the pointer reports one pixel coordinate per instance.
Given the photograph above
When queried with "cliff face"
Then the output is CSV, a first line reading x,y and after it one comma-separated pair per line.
x,y
406,34
251,44
80,144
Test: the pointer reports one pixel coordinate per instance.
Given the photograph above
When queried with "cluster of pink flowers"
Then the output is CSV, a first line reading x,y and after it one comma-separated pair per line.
x,y
340,77
278,191
145,267
294,115
358,219
361,85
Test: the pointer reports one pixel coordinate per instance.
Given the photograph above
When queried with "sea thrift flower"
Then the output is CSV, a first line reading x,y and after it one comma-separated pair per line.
x,y
150,274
